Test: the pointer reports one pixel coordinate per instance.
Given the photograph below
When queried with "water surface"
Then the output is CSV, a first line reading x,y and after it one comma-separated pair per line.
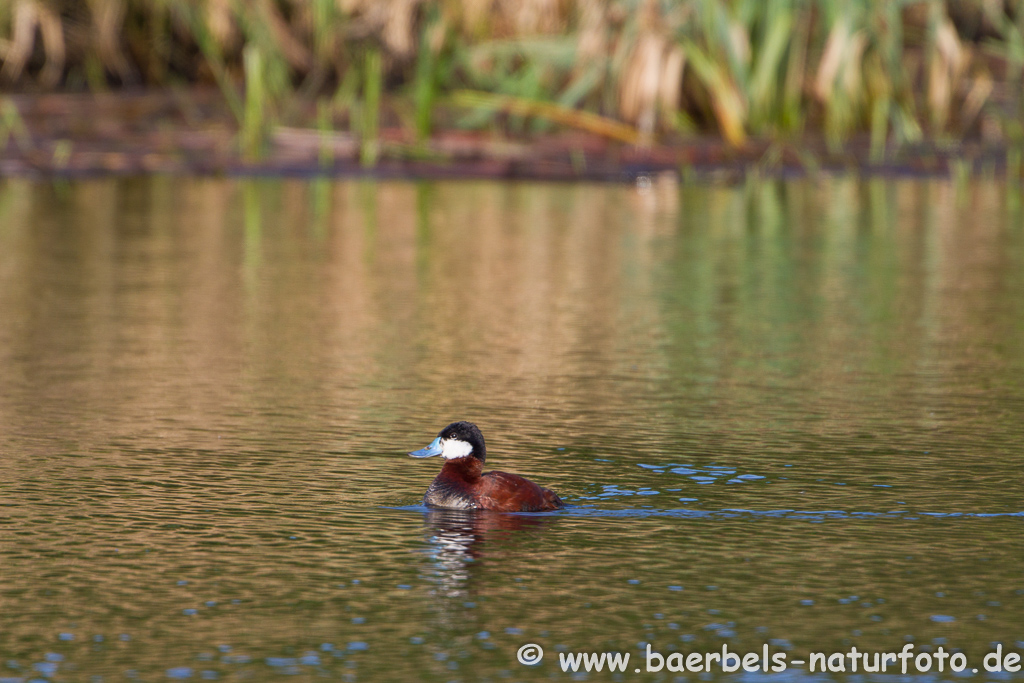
x,y
784,413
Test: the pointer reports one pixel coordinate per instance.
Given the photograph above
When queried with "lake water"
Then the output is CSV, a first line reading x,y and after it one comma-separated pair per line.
x,y
784,414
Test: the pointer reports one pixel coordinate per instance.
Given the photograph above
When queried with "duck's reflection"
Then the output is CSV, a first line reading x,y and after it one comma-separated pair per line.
x,y
460,537
468,554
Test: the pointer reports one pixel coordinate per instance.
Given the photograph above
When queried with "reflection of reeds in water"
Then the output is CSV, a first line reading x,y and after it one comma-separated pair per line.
x,y
544,309
827,288
409,300
896,70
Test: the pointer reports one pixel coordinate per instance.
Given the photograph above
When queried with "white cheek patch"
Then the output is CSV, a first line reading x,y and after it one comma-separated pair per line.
x,y
454,448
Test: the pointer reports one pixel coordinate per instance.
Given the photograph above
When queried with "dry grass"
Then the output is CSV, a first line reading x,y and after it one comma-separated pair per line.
x,y
895,70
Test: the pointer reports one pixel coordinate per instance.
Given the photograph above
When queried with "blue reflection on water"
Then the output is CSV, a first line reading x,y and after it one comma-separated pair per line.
x,y
732,513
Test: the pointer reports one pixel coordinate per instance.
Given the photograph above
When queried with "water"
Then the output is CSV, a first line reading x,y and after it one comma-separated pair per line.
x,y
785,414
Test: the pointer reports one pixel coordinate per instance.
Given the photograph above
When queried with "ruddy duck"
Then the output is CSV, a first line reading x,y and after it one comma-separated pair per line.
x,y
463,485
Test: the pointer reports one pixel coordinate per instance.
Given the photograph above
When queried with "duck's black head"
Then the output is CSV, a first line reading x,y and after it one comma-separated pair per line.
x,y
457,440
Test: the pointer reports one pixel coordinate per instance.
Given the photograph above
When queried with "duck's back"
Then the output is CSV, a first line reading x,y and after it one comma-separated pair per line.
x,y
461,484
511,493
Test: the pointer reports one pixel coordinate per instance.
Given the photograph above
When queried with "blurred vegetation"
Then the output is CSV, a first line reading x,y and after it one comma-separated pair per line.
x,y
634,70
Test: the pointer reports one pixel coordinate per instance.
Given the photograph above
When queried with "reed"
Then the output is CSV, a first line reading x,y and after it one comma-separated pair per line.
x,y
372,87
895,71
254,119
11,125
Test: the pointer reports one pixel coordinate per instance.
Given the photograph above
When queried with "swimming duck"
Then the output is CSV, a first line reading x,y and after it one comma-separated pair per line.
x,y
463,485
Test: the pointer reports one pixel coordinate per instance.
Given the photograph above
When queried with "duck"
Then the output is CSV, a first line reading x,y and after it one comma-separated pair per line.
x,y
463,485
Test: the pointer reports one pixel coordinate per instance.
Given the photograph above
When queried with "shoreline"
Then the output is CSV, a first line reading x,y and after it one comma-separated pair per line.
x,y
191,132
